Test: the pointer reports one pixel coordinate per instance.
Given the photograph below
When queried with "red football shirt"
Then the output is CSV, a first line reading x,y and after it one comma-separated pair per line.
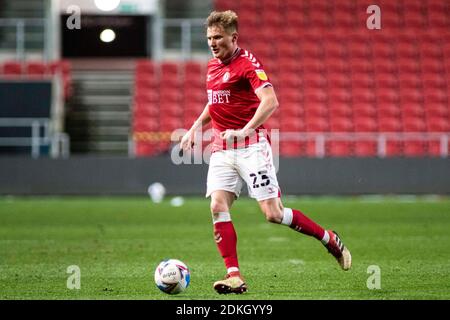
x,y
231,87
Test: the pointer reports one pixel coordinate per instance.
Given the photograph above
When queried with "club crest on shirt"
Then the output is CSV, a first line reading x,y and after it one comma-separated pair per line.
x,y
226,76
261,74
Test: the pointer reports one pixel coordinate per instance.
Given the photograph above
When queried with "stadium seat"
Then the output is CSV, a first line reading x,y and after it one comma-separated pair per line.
x,y
36,68
388,110
365,149
315,109
364,110
342,124
412,109
389,124
313,80
337,110
387,95
339,95
12,68
436,110
383,50
314,95
145,124
415,148
338,80
386,80
292,148
394,149
438,124
409,80
363,80
145,66
291,125
365,124
316,124
339,148
414,124
408,65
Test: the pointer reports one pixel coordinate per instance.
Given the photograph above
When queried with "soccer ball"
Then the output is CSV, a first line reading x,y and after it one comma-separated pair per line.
x,y
172,276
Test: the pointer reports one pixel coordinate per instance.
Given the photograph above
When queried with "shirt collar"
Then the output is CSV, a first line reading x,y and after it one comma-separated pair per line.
x,y
233,56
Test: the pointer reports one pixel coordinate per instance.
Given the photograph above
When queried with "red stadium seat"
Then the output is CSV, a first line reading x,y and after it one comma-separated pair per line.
x,y
313,80
12,68
386,80
408,65
365,124
436,110
415,148
338,80
146,149
36,68
388,110
339,148
314,95
383,50
364,110
363,95
292,148
343,124
409,80
292,124
339,95
315,110
394,149
145,66
316,125
362,80
412,109
338,110
365,149
145,124
389,124
169,68
435,95
438,124
413,124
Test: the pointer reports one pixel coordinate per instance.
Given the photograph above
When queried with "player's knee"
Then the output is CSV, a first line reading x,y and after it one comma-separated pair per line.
x,y
273,214
218,206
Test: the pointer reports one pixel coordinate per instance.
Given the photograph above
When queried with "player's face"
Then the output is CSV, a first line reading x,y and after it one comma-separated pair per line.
x,y
221,43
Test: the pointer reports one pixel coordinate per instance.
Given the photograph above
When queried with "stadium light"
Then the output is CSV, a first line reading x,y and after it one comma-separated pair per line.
x,y
107,5
107,35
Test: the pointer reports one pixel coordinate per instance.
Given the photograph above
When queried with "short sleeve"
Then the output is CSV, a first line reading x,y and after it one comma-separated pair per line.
x,y
256,75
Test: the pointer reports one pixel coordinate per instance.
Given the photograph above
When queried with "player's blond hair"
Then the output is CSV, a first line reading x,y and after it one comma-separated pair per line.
x,y
228,20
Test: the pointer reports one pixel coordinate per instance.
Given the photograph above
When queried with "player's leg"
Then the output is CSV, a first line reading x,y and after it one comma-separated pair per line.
x,y
226,241
295,219
224,185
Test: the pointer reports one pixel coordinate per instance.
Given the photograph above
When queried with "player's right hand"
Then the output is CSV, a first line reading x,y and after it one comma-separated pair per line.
x,y
187,142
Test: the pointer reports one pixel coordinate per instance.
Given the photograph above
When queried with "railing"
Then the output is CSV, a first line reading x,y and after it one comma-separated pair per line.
x,y
186,27
20,25
41,136
320,139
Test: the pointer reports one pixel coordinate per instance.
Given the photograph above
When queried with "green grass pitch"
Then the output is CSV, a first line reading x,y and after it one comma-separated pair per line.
x,y
118,242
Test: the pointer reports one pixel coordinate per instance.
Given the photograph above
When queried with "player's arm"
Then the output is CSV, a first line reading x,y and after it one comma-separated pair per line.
x,y
268,104
188,139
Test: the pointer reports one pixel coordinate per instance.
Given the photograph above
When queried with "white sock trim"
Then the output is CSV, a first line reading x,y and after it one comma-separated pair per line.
x,y
232,269
221,217
287,217
326,238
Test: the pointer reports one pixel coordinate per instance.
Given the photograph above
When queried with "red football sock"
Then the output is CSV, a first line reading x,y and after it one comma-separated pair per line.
x,y
303,224
226,240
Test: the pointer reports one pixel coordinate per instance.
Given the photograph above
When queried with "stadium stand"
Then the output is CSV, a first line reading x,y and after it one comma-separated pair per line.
x,y
332,75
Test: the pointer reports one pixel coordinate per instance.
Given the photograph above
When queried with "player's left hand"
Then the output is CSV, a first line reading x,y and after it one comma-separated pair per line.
x,y
230,134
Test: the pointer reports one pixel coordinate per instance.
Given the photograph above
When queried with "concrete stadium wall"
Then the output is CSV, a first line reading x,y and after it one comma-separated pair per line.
x,y
87,175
